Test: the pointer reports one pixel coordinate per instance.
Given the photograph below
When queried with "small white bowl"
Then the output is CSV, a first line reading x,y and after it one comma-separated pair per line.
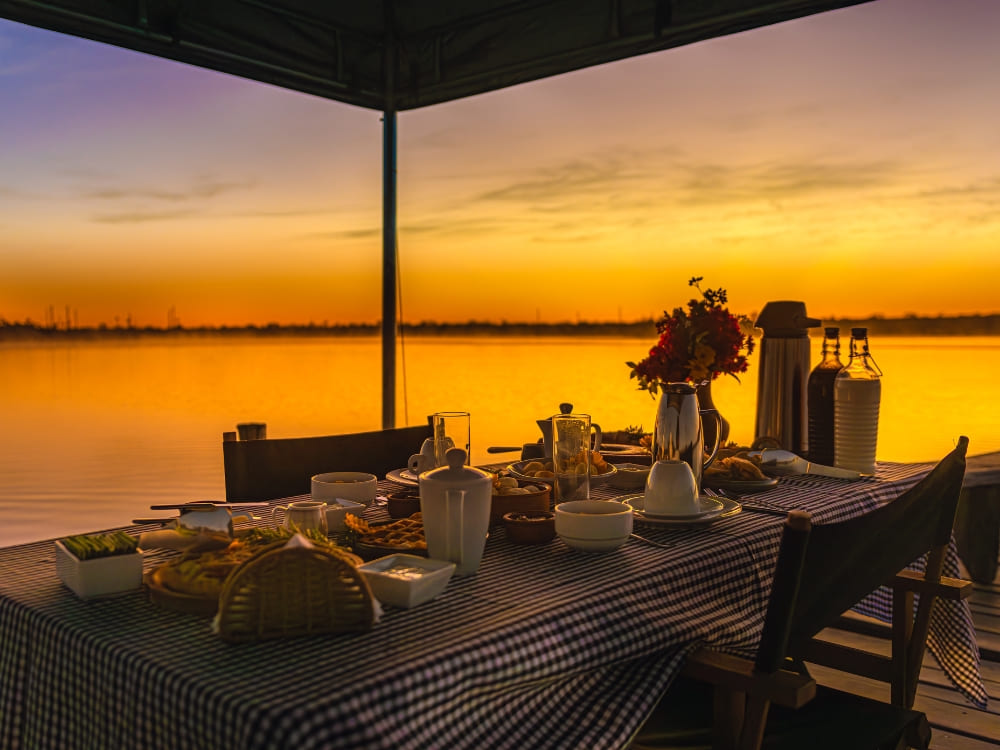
x,y
593,525
345,485
99,576
406,580
630,476
337,509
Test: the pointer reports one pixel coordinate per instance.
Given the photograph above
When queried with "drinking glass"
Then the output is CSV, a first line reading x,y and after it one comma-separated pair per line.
x,y
451,429
571,456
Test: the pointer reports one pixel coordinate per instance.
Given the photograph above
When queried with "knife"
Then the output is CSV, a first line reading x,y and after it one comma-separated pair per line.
x,y
204,504
783,463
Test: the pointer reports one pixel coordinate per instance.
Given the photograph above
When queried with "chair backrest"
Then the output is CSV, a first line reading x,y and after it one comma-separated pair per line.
x,y
272,468
825,570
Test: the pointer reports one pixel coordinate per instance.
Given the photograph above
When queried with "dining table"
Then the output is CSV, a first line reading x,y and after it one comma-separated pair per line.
x,y
544,646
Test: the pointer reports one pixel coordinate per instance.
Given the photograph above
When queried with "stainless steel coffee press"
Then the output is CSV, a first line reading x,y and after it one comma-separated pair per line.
x,y
782,417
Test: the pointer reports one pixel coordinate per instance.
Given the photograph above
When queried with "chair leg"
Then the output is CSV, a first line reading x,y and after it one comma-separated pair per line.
x,y
902,633
754,721
728,711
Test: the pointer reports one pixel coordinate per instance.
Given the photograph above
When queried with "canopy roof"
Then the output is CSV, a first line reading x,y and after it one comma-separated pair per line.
x,y
436,50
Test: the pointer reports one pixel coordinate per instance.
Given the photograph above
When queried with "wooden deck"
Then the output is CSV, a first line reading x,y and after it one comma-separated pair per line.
x,y
956,724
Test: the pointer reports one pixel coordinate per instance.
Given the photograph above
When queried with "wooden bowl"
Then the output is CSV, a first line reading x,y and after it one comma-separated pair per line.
x,y
537,500
403,504
531,527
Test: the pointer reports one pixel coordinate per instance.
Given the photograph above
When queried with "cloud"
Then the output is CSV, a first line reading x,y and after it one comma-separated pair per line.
x,y
578,177
707,183
198,191
985,190
140,217
8,192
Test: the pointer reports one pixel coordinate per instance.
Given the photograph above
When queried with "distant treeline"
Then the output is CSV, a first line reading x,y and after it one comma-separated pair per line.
x,y
910,325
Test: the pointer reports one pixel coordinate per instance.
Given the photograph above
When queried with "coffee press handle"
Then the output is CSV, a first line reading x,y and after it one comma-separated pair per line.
x,y
718,436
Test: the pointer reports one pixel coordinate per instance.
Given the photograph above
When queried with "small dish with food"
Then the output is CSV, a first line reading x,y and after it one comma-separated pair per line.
x,y
530,527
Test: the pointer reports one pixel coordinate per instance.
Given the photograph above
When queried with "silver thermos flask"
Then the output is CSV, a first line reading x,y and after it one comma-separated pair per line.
x,y
782,416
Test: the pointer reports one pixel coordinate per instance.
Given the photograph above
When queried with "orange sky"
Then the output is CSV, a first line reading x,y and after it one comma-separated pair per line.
x,y
848,159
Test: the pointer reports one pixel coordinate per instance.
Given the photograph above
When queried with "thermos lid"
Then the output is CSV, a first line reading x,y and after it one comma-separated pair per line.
x,y
786,319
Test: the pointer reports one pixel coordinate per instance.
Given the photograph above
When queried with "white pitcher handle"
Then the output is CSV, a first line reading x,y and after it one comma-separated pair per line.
x,y
274,514
718,435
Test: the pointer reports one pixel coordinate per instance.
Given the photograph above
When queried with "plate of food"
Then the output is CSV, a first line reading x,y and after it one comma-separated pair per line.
x,y
540,470
737,474
373,540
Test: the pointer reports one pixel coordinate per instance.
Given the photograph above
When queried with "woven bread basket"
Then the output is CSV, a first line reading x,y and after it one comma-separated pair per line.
x,y
291,591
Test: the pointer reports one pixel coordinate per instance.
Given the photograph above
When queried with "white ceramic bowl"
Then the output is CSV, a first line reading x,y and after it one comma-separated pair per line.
x,y
630,476
406,580
593,525
347,485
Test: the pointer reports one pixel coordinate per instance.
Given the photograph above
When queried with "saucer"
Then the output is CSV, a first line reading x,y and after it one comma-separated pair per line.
x,y
403,476
712,508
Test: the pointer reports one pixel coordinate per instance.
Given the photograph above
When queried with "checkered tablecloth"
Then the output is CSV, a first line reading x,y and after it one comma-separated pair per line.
x,y
543,647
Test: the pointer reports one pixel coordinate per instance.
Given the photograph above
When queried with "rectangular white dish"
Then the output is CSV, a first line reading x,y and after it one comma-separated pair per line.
x,y
99,576
336,510
406,580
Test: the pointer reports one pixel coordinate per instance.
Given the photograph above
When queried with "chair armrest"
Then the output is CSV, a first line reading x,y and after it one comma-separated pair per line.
x,y
945,588
784,687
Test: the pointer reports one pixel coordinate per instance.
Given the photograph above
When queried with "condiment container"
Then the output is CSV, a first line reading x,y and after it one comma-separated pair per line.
x,y
98,576
406,580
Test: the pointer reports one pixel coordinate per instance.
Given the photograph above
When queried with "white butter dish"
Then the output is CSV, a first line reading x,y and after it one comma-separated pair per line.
x,y
406,580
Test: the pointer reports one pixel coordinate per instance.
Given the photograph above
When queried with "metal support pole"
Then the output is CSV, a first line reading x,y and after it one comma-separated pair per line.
x,y
389,224
388,269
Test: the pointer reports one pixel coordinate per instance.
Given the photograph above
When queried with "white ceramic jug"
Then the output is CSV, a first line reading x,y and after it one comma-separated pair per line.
x,y
455,502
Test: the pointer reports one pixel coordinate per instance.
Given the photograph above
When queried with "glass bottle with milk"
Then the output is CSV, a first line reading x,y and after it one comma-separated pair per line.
x,y
857,394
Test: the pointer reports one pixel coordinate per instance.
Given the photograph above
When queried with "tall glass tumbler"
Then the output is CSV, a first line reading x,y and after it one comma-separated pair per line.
x,y
451,429
571,456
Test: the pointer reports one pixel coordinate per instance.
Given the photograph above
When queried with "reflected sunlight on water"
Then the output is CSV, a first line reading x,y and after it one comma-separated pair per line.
x,y
93,433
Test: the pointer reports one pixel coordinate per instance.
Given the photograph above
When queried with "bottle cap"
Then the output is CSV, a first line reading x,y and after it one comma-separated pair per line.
x,y
786,319
832,331
859,333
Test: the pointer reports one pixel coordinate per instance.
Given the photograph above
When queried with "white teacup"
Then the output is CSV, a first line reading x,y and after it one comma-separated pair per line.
x,y
303,515
671,489
427,458
423,461
347,485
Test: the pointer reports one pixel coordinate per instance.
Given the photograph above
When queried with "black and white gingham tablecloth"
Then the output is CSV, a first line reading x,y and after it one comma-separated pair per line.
x,y
543,647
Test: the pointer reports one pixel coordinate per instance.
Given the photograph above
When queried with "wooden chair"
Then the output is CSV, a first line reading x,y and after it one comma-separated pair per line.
x,y
723,701
272,468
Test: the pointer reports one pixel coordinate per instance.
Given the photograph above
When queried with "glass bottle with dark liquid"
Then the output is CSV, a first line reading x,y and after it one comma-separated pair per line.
x,y
820,399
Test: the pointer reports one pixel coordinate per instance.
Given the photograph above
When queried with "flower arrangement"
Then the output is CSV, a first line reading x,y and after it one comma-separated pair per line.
x,y
697,344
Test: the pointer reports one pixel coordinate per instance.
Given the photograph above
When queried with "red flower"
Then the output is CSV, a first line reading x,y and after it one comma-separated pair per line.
x,y
696,344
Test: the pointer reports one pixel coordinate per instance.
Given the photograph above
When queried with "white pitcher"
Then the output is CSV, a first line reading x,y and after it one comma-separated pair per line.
x,y
455,502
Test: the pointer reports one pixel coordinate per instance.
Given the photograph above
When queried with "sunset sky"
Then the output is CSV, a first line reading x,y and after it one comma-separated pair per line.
x,y
850,159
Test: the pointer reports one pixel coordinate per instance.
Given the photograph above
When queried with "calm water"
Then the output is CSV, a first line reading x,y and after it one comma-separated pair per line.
x,y
92,433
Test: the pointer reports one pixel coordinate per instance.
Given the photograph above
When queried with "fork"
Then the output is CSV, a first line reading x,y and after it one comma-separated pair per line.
x,y
757,506
664,545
